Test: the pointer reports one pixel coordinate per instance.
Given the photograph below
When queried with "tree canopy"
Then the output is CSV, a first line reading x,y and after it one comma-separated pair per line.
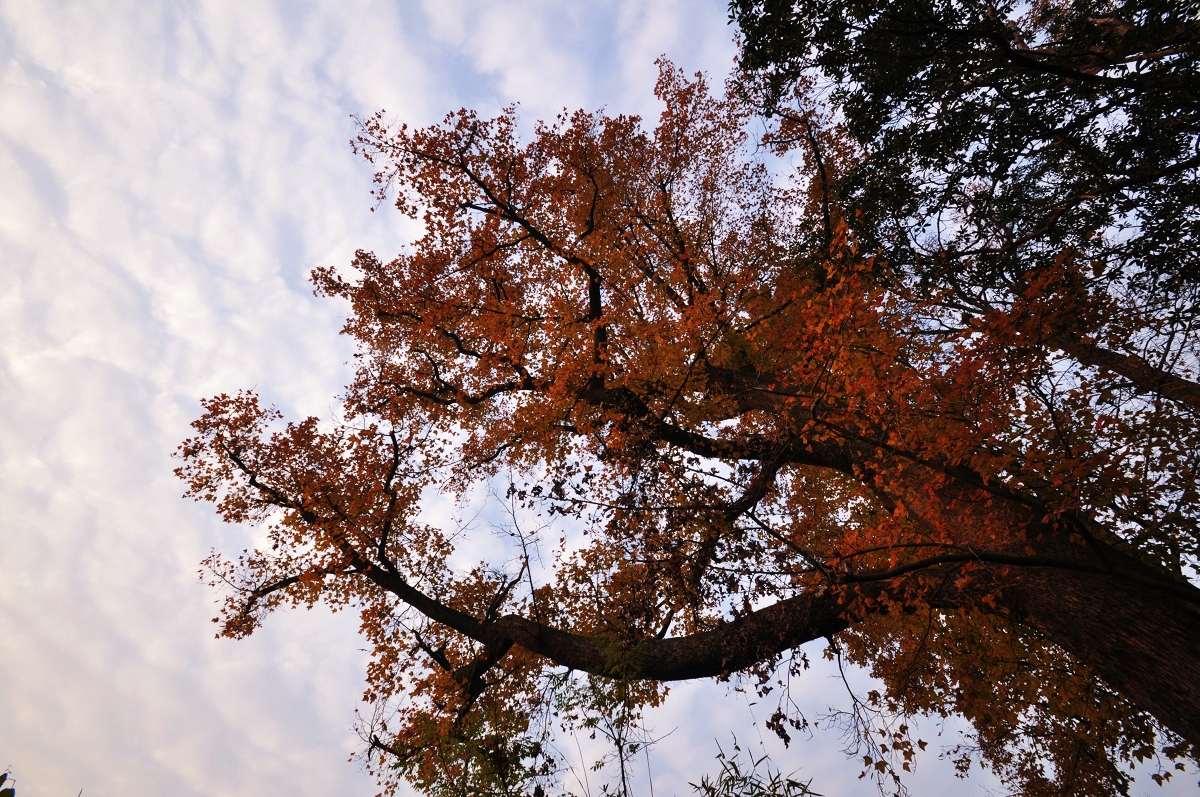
x,y
992,138
731,412
999,134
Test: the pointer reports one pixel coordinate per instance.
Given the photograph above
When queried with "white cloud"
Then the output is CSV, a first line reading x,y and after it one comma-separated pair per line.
x,y
170,173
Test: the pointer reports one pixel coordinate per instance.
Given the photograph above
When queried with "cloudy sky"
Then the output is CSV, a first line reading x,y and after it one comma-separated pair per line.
x,y
170,171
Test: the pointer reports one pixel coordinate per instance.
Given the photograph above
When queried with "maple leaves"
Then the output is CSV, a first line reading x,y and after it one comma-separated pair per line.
x,y
742,436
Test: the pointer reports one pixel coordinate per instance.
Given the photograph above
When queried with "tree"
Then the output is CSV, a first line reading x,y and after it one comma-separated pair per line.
x,y
994,137
744,431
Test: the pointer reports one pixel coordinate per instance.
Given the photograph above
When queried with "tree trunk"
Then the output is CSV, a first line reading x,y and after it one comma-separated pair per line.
x,y
1136,626
1142,641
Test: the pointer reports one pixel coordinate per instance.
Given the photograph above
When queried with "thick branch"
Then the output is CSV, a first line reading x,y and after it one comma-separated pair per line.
x,y
728,648
1145,377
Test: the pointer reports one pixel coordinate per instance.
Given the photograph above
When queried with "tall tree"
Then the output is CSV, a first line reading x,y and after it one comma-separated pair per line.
x,y
744,431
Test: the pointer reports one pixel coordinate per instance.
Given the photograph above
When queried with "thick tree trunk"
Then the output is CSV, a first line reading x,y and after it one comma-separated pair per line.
x,y
1142,641
1135,626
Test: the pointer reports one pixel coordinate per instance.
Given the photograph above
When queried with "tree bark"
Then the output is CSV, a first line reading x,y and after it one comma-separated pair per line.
x,y
1146,378
1143,642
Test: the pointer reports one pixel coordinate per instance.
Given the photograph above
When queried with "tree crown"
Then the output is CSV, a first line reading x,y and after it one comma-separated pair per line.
x,y
723,428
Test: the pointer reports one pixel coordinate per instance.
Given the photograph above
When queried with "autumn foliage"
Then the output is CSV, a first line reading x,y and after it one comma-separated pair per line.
x,y
721,429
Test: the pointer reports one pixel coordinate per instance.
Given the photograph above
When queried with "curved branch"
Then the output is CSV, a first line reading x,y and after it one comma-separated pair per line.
x,y
728,648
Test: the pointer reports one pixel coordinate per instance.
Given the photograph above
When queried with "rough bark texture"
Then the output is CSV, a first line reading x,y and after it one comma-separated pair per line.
x,y
1143,642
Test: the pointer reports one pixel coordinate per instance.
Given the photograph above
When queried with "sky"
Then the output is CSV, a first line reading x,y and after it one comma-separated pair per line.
x,y
170,172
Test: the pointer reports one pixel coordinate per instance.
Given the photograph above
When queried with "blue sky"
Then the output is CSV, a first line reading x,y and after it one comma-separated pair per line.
x,y
169,174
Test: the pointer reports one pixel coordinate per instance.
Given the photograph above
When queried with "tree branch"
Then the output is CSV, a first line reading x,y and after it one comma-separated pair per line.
x,y
1145,377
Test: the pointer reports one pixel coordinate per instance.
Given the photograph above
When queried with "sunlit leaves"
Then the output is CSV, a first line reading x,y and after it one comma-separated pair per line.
x,y
691,407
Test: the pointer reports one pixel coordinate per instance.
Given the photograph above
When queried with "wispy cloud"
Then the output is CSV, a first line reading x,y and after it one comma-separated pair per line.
x,y
169,172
